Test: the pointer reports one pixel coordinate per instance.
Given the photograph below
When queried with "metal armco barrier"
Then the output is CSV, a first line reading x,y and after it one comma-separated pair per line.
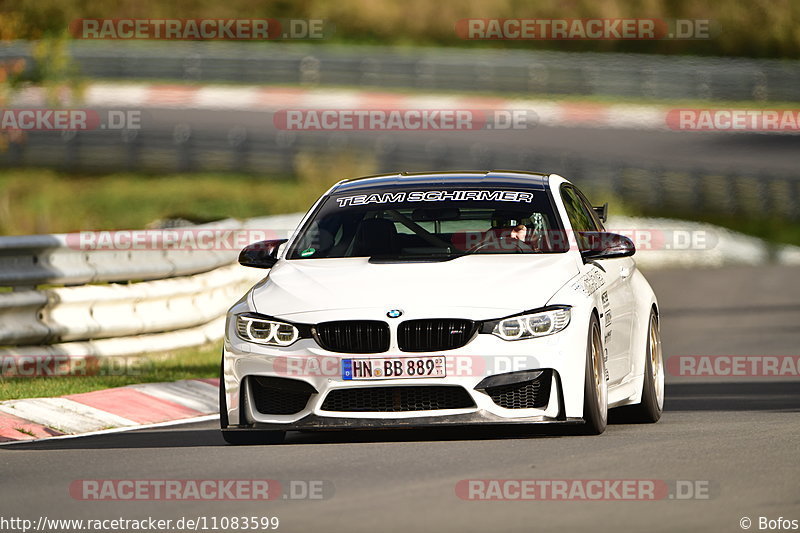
x,y
211,146
680,188
123,319
183,303
115,310
30,260
462,69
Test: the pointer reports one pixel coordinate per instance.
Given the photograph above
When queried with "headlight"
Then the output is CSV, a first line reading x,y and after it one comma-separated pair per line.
x,y
253,328
531,325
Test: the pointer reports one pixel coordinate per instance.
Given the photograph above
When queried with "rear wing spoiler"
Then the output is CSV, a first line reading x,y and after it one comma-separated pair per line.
x,y
602,211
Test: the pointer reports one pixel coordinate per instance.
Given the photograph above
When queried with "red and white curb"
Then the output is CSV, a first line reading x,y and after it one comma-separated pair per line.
x,y
130,407
268,99
548,112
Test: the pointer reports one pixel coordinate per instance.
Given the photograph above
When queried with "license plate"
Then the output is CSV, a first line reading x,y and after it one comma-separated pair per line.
x,y
393,368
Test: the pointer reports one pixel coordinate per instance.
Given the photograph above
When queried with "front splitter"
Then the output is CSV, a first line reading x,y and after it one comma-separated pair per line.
x,y
316,422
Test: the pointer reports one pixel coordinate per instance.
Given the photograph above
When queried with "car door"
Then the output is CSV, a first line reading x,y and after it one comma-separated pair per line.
x,y
616,294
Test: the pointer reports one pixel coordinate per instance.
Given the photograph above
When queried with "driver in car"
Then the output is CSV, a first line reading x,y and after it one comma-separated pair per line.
x,y
520,231
512,237
508,234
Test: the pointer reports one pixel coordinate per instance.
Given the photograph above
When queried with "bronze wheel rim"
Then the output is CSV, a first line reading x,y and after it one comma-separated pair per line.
x,y
656,361
599,373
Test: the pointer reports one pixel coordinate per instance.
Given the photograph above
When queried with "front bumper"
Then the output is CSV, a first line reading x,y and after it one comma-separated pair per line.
x,y
317,413
561,356
318,423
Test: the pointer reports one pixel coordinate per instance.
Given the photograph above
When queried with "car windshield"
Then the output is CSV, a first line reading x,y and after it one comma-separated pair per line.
x,y
430,224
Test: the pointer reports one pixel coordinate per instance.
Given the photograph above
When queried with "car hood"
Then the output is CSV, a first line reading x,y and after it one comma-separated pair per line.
x,y
476,287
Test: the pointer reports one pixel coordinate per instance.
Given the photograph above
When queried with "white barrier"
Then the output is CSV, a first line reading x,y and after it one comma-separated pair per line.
x,y
103,311
19,317
182,304
104,320
31,260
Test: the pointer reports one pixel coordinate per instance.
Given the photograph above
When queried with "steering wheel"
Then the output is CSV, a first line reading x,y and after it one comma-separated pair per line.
x,y
520,246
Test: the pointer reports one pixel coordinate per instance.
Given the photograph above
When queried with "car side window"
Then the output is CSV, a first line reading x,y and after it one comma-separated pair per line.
x,y
579,216
587,206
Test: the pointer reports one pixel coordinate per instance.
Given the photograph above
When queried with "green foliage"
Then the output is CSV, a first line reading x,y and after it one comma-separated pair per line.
x,y
44,201
758,28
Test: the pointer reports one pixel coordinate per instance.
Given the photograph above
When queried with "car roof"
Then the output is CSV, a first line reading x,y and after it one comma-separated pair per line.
x,y
470,178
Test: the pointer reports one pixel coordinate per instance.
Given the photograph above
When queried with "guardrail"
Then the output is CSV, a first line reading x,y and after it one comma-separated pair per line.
x,y
183,303
180,310
680,188
60,259
677,189
463,69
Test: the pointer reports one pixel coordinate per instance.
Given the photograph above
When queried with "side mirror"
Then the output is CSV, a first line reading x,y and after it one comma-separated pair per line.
x,y
261,254
602,211
604,245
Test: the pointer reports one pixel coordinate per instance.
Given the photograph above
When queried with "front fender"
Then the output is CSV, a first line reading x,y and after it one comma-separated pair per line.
x,y
583,307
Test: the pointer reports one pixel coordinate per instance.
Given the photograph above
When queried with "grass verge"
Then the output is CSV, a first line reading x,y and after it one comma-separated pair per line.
x,y
189,363
36,201
47,201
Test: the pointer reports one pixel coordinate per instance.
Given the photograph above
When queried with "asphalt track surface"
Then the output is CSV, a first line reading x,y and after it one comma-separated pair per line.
x,y
739,437
740,153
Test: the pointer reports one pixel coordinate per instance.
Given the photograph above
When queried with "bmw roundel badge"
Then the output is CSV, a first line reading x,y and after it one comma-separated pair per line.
x,y
394,313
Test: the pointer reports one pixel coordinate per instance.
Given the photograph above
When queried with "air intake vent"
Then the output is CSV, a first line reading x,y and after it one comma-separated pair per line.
x,y
353,336
396,399
279,396
531,394
435,334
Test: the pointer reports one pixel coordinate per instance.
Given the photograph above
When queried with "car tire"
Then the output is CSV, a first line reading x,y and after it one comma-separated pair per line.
x,y
223,405
652,404
242,436
595,386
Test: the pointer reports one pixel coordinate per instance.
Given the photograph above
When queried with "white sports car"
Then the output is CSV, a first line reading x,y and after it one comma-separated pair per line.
x,y
412,300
